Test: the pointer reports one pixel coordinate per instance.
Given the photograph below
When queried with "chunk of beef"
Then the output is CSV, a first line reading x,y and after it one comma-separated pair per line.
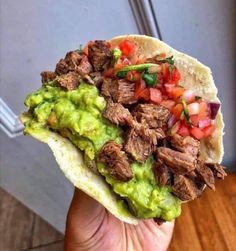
x,y
96,78
109,87
125,92
205,174
150,135
116,161
117,114
48,76
120,91
185,144
73,59
217,169
99,54
179,163
152,115
62,67
84,67
140,143
69,81
162,174
185,188
137,146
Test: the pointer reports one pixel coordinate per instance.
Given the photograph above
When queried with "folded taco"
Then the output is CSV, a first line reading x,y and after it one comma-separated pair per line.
x,y
133,123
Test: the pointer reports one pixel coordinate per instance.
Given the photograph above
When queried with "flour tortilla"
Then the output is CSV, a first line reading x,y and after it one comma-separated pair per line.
x,y
195,76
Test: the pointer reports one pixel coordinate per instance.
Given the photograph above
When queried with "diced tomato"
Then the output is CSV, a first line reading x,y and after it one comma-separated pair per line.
x,y
176,92
168,103
109,72
133,76
204,123
197,133
177,110
165,71
183,130
194,120
169,88
126,47
175,127
155,95
208,130
85,50
139,87
119,65
145,94
164,97
193,108
203,109
174,76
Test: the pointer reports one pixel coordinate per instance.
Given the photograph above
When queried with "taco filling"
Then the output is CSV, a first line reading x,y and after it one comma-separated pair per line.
x,y
136,125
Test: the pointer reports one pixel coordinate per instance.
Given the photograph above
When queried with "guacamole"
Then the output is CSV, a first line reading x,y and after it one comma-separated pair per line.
x,y
77,115
145,198
79,111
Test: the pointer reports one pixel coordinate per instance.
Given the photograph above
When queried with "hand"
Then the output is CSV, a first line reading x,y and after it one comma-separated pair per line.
x,y
91,227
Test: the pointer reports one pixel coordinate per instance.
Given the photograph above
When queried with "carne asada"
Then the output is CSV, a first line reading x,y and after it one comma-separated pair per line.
x,y
180,163
185,144
116,161
99,55
154,116
163,174
117,114
185,188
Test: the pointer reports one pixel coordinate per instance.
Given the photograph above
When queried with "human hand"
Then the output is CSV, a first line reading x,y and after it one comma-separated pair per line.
x,y
91,227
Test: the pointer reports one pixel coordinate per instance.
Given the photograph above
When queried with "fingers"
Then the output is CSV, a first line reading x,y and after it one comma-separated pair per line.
x,y
84,216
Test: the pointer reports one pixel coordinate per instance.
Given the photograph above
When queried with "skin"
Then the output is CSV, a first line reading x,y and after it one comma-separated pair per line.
x,y
91,227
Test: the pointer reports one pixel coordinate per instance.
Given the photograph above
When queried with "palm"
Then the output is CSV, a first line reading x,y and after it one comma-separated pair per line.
x,y
94,228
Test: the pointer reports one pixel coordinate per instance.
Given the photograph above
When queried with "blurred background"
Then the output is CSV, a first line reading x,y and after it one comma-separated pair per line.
x,y
34,35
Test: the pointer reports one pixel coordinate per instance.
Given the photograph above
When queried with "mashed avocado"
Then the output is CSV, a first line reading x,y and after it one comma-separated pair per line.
x,y
78,115
145,198
78,110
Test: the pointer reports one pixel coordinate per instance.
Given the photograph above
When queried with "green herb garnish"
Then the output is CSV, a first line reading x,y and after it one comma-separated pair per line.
x,y
150,79
185,112
169,60
116,54
139,67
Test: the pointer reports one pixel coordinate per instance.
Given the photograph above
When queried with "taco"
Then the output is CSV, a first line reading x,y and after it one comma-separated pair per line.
x,y
133,123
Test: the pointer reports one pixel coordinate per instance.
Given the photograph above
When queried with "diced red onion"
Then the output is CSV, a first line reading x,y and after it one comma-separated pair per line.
x,y
193,108
189,96
171,121
214,107
204,123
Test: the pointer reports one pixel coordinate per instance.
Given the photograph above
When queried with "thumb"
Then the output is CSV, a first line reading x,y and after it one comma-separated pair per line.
x,y
84,216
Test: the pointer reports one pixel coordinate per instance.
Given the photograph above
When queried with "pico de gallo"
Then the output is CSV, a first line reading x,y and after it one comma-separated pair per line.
x,y
159,83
